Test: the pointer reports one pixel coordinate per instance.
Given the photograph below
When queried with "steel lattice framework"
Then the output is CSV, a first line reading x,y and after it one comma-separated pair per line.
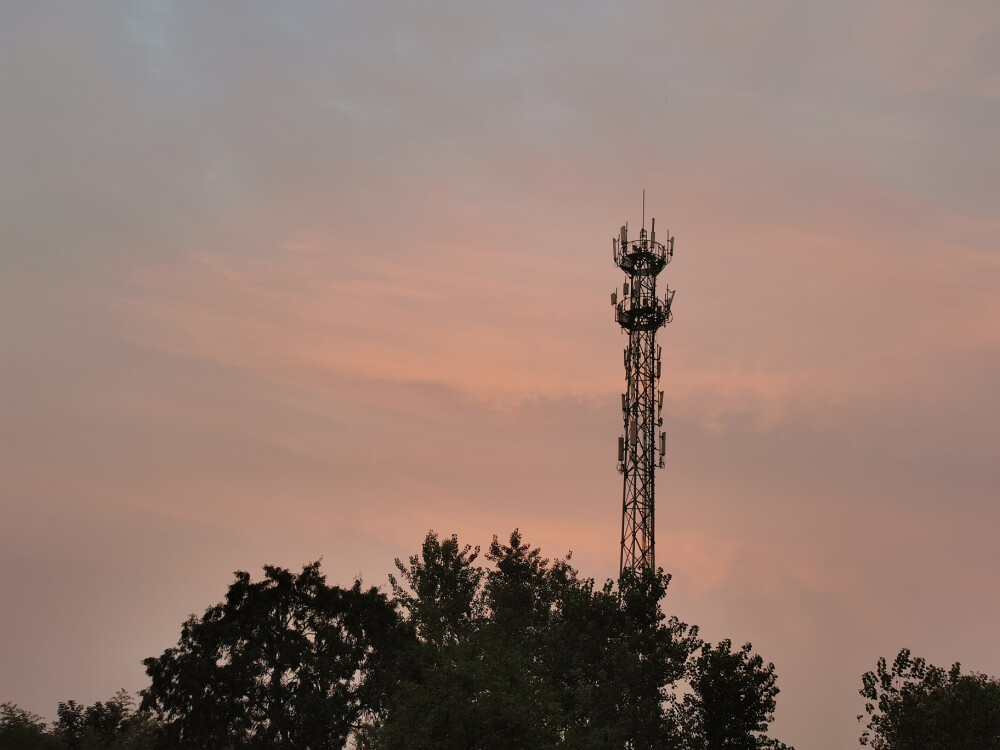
x,y
641,313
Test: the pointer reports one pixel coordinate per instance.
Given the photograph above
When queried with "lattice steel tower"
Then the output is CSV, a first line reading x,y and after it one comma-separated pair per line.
x,y
641,313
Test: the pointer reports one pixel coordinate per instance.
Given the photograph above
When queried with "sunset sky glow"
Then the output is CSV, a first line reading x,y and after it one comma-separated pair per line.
x,y
300,280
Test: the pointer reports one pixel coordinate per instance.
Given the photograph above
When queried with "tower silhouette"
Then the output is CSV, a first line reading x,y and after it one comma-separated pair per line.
x,y
641,314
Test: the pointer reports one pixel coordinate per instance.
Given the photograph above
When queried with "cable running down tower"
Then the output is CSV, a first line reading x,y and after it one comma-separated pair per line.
x,y
641,450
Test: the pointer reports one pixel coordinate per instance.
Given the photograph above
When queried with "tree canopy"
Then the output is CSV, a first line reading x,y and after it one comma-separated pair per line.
x,y
913,705
23,730
499,650
283,662
527,654
114,724
732,699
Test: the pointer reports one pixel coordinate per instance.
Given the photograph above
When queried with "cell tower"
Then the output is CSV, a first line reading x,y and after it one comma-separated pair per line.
x,y
641,313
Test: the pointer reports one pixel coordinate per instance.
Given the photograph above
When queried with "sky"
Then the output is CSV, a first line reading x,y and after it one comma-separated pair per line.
x,y
281,282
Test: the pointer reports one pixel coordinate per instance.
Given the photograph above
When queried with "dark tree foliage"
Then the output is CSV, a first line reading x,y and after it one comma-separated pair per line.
x,y
442,590
913,705
519,653
286,662
526,654
644,656
106,725
23,730
448,695
732,699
